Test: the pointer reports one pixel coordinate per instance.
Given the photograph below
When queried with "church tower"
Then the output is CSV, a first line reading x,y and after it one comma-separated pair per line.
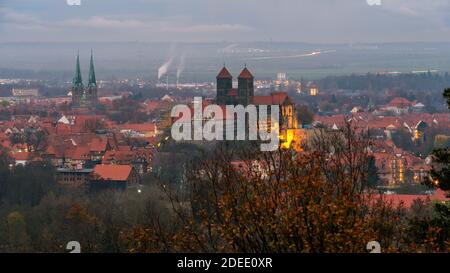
x,y
77,85
224,85
84,98
245,87
91,91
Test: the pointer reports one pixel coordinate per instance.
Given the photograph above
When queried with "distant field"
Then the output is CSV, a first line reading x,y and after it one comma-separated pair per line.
x,y
202,61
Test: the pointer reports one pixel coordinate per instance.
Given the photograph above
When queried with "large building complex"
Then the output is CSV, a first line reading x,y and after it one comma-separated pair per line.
x,y
25,92
289,132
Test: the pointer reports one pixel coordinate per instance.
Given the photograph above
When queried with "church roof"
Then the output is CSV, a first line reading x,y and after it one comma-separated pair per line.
x,y
92,80
245,74
77,80
276,98
224,74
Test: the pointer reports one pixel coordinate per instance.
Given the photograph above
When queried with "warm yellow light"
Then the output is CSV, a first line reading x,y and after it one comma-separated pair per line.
x,y
417,134
287,139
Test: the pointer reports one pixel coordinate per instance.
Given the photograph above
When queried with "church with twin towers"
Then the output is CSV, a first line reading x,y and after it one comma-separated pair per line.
x,y
290,134
227,95
84,97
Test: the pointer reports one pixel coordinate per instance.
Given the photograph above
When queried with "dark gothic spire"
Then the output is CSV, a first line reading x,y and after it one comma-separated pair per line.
x,y
77,80
92,81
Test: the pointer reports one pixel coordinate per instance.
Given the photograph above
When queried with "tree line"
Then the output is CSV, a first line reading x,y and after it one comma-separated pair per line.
x,y
370,81
229,199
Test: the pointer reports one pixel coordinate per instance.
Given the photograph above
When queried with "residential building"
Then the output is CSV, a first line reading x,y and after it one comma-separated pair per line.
x,y
112,177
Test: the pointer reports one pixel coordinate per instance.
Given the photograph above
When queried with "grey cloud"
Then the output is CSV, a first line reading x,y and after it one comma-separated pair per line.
x,y
325,21
154,26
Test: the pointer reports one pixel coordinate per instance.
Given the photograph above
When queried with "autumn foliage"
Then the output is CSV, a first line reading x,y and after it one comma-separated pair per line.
x,y
313,202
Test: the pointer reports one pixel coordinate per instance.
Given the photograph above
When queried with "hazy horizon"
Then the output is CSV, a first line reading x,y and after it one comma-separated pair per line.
x,y
201,61
307,38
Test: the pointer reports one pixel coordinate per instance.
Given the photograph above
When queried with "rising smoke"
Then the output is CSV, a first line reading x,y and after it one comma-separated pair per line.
x,y
181,66
164,68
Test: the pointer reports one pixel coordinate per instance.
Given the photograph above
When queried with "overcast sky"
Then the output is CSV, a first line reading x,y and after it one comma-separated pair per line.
x,y
317,21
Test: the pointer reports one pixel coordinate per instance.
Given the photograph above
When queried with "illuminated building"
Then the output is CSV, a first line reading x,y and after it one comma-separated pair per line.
x,y
25,92
298,87
313,90
419,132
282,81
290,134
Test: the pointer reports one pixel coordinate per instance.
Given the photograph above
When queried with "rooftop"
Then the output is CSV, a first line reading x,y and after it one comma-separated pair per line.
x,y
224,74
245,74
112,172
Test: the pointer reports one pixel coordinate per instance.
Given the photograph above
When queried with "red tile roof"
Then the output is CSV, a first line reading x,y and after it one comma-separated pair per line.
x,y
245,74
21,156
112,172
79,153
364,120
188,118
152,105
58,150
277,98
407,200
118,156
124,148
5,143
144,127
51,150
98,145
224,74
262,100
400,102
62,129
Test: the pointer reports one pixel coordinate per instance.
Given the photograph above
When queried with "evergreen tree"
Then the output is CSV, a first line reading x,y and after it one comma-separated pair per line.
x,y
440,174
373,178
436,227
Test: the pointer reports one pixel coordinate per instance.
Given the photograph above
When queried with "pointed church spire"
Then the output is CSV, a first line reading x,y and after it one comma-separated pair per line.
x,y
246,74
92,81
224,73
77,80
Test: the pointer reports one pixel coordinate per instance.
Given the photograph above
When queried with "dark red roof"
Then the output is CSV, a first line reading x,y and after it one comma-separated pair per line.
x,y
407,201
98,145
224,74
21,156
123,156
139,127
276,98
79,153
400,102
245,74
